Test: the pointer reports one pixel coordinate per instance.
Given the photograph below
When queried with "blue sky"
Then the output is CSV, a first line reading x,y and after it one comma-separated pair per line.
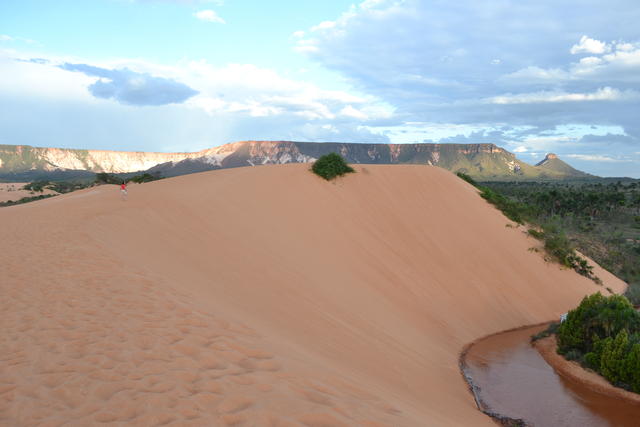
x,y
182,75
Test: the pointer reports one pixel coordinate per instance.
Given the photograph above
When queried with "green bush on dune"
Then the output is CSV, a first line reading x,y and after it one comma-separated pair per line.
x,y
330,166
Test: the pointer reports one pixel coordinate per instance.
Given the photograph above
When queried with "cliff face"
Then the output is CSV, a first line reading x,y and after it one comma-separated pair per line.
x,y
21,158
478,159
482,161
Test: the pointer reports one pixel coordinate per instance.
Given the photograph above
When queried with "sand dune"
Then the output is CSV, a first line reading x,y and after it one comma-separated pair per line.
x,y
262,297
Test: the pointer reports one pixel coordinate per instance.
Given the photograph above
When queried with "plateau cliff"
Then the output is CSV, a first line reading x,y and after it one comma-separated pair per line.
x,y
482,161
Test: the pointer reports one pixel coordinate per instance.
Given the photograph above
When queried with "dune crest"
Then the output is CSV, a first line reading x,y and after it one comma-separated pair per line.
x,y
263,296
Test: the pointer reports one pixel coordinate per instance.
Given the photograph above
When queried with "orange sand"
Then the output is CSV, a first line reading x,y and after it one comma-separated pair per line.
x,y
262,297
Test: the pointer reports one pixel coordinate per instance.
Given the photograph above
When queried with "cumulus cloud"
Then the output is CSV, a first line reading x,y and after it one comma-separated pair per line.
x,y
493,63
588,45
128,87
209,16
225,104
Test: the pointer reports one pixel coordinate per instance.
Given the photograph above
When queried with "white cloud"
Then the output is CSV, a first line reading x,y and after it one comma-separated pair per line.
x,y
5,38
234,91
595,158
622,64
209,16
234,102
298,34
589,45
624,47
325,25
603,94
34,80
521,149
534,74
349,111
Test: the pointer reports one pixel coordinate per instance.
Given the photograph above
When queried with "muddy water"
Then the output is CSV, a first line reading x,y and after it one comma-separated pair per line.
x,y
515,381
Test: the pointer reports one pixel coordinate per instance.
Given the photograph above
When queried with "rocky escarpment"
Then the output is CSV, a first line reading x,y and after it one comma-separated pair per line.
x,y
21,158
482,161
547,158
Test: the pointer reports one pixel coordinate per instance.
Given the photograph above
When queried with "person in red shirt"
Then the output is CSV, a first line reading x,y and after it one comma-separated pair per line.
x,y
123,189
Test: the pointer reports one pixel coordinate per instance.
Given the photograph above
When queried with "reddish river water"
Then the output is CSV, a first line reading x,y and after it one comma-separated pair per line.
x,y
515,381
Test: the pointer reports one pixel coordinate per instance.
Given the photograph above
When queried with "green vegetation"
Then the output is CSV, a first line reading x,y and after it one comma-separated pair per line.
x,y
514,210
36,186
108,178
25,200
551,330
67,186
597,217
603,333
57,186
330,166
62,187
40,186
145,177
557,245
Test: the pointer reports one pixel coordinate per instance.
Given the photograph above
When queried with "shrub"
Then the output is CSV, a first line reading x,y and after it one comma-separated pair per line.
x,y
331,165
536,234
558,246
467,178
603,333
511,209
596,316
573,355
551,330
36,186
145,177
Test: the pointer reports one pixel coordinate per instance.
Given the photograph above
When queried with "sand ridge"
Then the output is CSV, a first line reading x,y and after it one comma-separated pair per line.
x,y
262,296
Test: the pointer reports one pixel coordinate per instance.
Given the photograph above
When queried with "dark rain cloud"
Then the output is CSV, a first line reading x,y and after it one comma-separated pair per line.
x,y
132,88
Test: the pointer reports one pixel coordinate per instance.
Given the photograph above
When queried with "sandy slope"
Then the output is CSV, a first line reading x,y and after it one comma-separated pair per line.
x,y
262,296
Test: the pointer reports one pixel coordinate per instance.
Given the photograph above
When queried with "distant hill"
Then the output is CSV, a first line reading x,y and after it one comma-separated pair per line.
x,y
553,165
481,161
